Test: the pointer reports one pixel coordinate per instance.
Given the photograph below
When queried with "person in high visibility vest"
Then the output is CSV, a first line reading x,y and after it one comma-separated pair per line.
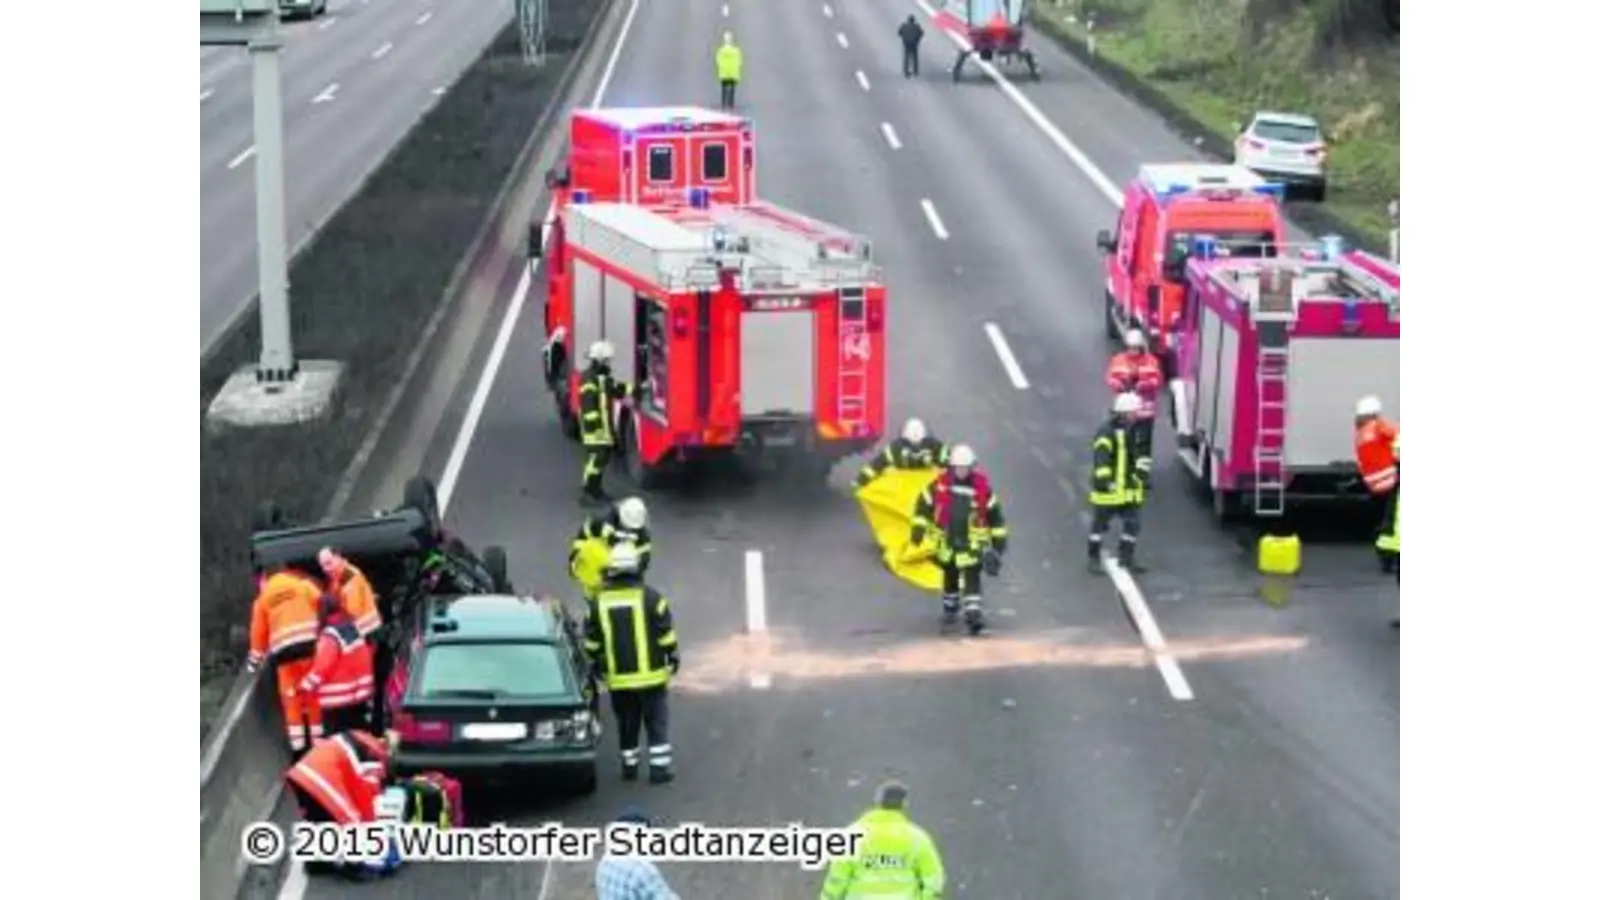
x,y
1378,458
915,448
730,64
283,632
341,676
1137,371
353,588
630,637
626,523
1118,480
895,857
338,781
963,511
598,393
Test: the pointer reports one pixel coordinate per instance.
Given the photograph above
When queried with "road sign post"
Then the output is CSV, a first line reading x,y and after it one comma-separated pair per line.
x,y
531,18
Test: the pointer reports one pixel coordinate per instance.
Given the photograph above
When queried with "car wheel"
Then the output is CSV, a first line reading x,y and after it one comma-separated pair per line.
x,y
587,781
643,475
1113,333
494,562
421,496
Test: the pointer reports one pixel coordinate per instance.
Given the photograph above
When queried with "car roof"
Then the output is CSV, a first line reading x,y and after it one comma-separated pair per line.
x,y
492,616
1283,118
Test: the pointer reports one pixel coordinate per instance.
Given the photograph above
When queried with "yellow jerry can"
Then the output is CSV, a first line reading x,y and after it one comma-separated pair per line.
x,y
1278,554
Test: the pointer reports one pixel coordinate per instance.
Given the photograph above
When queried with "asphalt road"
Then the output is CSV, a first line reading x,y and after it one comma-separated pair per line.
x,y
354,82
1050,759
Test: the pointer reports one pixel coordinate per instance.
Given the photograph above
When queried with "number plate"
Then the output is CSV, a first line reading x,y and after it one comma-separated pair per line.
x,y
495,731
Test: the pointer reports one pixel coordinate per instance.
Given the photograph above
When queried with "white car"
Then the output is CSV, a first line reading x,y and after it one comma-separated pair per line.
x,y
1285,147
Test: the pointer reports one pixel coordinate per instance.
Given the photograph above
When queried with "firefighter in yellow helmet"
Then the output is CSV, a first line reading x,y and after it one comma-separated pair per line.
x,y
895,857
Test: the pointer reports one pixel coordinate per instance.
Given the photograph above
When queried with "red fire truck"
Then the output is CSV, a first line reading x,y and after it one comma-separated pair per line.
x,y
655,155
745,328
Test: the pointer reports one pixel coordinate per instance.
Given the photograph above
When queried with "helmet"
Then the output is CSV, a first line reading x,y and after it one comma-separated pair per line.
x,y
1134,340
1369,405
624,558
632,513
1125,404
600,351
962,455
915,431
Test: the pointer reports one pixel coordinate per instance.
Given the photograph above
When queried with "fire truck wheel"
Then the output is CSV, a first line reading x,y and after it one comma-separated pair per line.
x,y
421,496
1113,333
494,562
643,475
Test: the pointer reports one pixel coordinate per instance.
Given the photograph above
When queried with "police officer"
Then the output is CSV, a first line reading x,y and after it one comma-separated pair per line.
x,y
598,392
1118,482
895,858
626,523
963,511
913,449
631,639
730,63
910,40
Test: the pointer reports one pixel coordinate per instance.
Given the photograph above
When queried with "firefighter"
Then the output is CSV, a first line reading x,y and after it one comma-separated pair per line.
x,y
914,449
630,637
283,631
598,392
339,780
730,63
627,522
910,40
1378,457
1118,482
1138,371
341,671
963,511
895,858
353,589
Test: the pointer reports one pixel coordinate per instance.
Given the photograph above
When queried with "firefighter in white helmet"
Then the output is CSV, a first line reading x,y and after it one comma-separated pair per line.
x,y
1137,371
1378,457
1118,481
599,392
915,448
626,523
963,511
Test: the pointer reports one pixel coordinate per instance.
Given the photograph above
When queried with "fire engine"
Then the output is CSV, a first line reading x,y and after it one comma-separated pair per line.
x,y
1163,208
1271,356
655,155
744,328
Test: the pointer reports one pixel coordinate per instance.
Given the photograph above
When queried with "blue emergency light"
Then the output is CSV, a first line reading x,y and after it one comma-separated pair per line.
x,y
1332,246
580,196
1270,189
699,197
1203,246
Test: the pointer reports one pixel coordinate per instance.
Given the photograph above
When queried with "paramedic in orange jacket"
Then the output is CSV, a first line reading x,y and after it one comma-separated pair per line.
x,y
339,781
352,587
1378,456
283,631
341,672
1138,371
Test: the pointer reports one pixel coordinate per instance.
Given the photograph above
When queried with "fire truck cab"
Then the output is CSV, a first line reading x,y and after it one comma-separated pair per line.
x,y
1163,209
656,155
743,329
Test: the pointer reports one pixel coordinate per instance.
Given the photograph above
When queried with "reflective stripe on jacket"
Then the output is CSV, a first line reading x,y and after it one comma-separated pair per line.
x,y
896,859
1139,373
1378,455
359,600
902,454
1112,481
631,635
597,392
283,618
344,775
341,671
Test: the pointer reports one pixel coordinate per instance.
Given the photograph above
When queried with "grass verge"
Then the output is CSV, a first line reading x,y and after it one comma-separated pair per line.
x,y
1208,65
362,291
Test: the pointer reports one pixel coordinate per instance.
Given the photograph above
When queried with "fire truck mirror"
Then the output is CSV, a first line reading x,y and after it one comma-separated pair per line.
x,y
555,178
1105,241
1172,269
536,240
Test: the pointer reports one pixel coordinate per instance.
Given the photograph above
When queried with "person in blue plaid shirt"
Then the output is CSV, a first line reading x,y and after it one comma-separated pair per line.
x,y
631,877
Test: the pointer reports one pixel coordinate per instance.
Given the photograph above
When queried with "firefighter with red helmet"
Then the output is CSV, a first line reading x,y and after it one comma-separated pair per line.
x,y
961,510
1137,371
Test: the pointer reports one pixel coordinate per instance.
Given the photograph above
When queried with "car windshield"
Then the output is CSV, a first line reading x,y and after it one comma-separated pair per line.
x,y
1287,132
491,670
1233,244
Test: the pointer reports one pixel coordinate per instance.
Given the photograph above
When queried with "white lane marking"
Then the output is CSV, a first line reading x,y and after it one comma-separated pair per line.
x,y
724,10
545,882
1008,360
1068,149
934,222
439,91
243,157
827,10
206,94
328,93
843,41
1145,621
861,79
383,51
327,23
423,19
755,608
890,136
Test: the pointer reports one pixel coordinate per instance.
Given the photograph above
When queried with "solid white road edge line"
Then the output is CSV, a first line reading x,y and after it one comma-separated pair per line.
x,y
294,884
890,136
243,157
327,23
843,41
423,19
827,10
861,79
755,608
1008,360
328,94
383,51
1145,621
934,222
206,94
1068,149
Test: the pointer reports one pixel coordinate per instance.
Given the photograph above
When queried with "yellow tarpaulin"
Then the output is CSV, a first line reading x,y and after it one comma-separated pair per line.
x,y
589,567
889,502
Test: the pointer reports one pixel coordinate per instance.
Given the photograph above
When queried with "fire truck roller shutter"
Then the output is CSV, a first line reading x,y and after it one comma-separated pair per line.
x,y
1327,375
617,324
777,363
586,310
1219,373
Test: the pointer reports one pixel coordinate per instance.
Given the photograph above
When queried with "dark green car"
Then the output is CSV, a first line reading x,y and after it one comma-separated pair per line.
x,y
492,686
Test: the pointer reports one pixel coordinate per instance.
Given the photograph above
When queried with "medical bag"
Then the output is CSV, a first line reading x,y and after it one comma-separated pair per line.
x,y
433,798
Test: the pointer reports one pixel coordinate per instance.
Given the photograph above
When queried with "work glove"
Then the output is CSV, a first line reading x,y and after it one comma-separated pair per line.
x,y
917,534
991,562
673,663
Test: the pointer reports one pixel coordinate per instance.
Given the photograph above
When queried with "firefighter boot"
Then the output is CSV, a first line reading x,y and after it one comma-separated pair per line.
x,y
1125,558
972,612
660,775
951,606
630,765
1096,566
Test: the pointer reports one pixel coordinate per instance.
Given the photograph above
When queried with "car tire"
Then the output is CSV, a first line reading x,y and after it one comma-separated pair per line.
x,y
587,781
422,496
644,476
494,562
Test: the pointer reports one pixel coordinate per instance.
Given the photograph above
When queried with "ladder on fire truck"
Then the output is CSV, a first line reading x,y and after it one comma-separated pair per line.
x,y
1274,314
855,351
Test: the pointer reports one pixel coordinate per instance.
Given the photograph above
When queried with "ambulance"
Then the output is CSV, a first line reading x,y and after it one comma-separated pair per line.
x,y
1163,208
744,328
1271,356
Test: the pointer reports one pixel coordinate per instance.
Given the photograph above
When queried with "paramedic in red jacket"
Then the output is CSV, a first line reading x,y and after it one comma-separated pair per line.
x,y
1138,371
341,671
1378,457
339,780
961,510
